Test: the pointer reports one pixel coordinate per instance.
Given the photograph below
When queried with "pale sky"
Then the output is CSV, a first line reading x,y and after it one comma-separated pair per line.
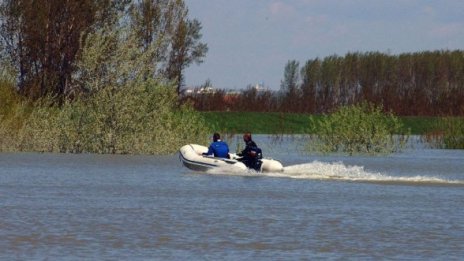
x,y
250,41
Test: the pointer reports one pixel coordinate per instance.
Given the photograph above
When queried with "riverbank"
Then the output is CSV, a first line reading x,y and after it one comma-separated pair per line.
x,y
295,123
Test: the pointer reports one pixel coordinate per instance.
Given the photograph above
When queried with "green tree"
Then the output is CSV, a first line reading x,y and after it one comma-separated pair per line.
x,y
311,82
289,86
167,22
43,39
362,128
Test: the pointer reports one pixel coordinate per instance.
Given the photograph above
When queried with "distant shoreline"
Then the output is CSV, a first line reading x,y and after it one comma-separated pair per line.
x,y
295,123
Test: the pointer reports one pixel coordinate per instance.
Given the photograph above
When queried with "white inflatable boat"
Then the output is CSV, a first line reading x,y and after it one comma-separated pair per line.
x,y
192,158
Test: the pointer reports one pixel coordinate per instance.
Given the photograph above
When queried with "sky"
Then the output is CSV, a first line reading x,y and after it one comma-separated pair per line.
x,y
251,41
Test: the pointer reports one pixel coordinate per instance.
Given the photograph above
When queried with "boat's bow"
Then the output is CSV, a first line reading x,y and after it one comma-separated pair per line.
x,y
192,158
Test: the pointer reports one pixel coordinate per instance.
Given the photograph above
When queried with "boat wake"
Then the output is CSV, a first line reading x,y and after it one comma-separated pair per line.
x,y
338,171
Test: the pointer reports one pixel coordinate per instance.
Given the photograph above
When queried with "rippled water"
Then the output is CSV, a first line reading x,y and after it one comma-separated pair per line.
x,y
72,207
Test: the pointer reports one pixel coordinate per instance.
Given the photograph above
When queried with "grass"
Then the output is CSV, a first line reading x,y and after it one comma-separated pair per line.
x,y
420,125
258,122
293,123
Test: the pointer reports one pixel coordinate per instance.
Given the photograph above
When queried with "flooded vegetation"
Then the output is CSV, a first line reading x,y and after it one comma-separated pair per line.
x,y
137,120
362,128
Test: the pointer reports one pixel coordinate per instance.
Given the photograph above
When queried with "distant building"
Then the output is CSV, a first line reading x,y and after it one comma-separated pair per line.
x,y
203,90
189,91
260,88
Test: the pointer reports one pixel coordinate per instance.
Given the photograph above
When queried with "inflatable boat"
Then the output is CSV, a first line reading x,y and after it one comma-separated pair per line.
x,y
191,157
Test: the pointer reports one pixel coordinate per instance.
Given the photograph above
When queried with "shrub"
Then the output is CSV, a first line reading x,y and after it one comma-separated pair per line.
x,y
136,120
362,128
9,98
453,133
446,133
13,111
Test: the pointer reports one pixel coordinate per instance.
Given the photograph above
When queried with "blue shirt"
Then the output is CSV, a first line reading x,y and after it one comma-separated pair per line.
x,y
219,149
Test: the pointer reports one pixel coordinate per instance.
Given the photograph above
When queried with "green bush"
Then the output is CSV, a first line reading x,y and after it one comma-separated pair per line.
x,y
446,133
13,111
362,128
137,120
453,134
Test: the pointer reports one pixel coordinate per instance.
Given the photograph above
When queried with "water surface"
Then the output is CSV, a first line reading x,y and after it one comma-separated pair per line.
x,y
407,205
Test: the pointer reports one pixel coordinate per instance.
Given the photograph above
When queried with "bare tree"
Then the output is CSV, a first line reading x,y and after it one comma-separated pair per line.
x,y
42,39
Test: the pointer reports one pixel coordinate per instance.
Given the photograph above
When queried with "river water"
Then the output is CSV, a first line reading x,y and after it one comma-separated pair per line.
x,y
408,205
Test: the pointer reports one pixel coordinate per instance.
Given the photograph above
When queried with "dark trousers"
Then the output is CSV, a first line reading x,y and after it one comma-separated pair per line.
x,y
252,164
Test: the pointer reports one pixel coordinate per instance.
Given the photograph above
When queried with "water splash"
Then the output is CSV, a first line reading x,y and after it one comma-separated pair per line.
x,y
223,170
338,171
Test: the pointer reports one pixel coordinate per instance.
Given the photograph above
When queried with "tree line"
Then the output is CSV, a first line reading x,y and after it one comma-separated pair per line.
x,y
42,41
427,83
63,49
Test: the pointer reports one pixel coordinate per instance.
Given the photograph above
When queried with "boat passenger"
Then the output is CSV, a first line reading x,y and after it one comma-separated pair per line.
x,y
251,155
218,148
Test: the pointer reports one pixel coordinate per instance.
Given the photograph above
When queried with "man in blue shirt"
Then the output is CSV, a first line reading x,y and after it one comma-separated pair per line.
x,y
218,148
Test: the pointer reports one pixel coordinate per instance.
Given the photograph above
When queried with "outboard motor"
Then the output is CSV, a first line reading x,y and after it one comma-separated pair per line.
x,y
258,155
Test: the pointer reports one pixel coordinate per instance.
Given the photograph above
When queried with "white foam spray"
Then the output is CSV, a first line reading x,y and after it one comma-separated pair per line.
x,y
317,170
